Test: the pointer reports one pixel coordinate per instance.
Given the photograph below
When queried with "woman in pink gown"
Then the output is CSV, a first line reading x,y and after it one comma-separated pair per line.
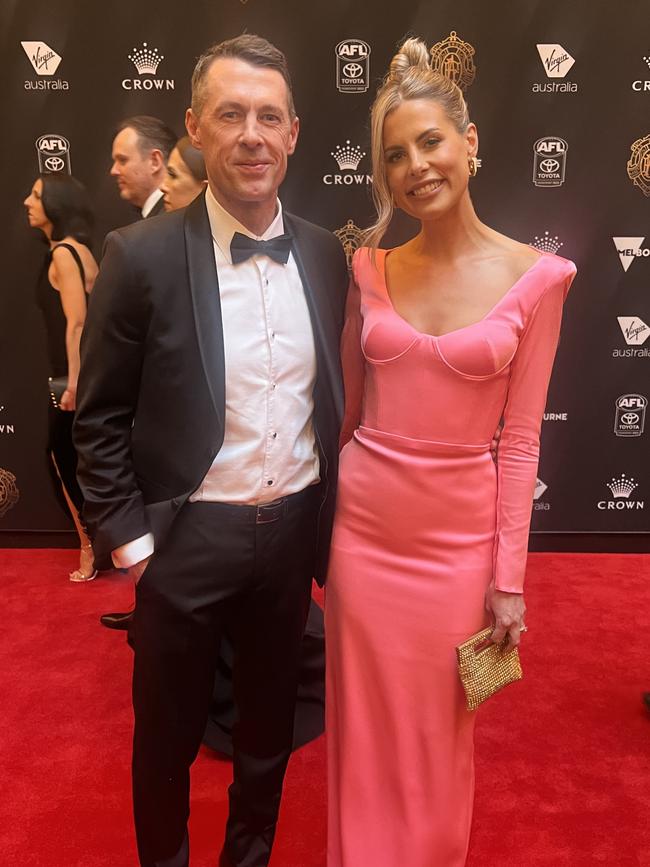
x,y
447,337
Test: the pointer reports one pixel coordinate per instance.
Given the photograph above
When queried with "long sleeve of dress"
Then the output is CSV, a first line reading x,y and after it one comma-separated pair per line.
x,y
518,450
353,363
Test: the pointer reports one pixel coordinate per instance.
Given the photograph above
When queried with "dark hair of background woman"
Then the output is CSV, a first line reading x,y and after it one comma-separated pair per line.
x,y
67,207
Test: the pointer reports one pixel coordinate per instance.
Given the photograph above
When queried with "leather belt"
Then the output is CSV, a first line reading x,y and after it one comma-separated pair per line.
x,y
264,513
269,512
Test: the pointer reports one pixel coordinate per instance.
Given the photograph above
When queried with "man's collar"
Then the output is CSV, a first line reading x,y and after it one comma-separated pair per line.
x,y
223,225
151,202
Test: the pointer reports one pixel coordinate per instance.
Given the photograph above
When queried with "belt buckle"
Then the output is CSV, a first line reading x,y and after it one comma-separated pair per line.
x,y
269,512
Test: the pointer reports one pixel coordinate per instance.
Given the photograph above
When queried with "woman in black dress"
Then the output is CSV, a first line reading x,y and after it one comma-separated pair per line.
x,y
58,206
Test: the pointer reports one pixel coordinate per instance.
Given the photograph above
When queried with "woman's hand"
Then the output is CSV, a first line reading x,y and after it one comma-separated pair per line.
x,y
508,610
69,399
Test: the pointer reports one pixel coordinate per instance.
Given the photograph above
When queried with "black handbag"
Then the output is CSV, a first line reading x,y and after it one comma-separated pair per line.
x,y
57,386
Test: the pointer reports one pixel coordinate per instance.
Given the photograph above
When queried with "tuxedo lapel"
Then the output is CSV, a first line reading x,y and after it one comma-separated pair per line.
x,y
312,270
204,288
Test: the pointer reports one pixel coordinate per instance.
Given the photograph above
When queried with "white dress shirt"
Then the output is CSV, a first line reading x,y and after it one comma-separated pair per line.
x,y
269,448
150,204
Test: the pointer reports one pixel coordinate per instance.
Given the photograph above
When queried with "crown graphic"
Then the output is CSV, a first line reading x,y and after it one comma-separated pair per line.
x,y
347,156
146,60
647,60
547,243
622,487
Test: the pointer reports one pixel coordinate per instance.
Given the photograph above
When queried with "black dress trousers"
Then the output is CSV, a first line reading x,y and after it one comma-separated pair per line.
x,y
248,569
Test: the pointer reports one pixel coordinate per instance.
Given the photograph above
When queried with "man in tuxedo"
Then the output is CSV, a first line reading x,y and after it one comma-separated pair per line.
x,y
208,414
141,148
140,152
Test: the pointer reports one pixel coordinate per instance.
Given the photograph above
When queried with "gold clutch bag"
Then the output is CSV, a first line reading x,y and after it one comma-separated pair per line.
x,y
485,670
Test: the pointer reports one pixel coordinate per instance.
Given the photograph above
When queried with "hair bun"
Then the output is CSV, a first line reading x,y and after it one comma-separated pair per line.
x,y
412,53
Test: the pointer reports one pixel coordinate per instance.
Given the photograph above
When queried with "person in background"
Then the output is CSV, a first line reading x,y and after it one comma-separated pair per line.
x,y
186,176
58,205
141,148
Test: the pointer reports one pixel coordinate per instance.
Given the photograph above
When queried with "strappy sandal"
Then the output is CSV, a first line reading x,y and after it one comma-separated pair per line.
x,y
81,575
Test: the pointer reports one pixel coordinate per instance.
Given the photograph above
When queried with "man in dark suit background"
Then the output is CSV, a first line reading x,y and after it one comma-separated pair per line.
x,y
141,148
209,407
140,152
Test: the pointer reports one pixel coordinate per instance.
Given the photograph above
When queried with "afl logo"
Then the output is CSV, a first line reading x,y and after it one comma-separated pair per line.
x,y
549,163
53,154
352,66
630,415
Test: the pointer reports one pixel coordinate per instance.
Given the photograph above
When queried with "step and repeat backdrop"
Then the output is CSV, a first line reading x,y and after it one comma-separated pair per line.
x,y
561,96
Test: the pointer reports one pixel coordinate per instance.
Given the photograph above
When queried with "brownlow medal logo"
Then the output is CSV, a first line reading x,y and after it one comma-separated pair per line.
x,y
9,494
453,58
350,237
638,166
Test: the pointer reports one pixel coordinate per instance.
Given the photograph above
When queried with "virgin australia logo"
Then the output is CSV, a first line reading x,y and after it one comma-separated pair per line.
x,y
621,488
539,504
347,157
557,62
635,331
45,61
146,61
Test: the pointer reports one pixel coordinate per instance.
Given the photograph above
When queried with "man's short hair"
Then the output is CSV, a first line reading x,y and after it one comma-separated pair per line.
x,y
252,49
153,134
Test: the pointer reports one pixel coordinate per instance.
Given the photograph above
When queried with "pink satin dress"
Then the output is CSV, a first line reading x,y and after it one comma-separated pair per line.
x,y
425,520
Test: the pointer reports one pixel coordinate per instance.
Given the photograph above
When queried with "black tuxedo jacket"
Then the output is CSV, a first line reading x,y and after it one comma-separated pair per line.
x,y
151,393
158,208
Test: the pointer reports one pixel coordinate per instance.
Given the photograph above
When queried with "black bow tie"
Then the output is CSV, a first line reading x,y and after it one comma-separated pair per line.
x,y
242,247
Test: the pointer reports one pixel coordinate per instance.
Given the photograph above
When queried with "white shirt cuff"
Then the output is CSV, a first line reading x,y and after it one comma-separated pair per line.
x,y
133,552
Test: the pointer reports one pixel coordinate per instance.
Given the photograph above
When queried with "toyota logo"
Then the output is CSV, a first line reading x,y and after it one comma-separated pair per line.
x,y
54,164
549,166
630,418
353,70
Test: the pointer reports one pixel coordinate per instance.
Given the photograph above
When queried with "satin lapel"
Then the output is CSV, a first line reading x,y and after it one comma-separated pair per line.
x,y
312,273
204,287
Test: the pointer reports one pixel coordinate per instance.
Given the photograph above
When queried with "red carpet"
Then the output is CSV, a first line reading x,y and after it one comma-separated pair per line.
x,y
563,758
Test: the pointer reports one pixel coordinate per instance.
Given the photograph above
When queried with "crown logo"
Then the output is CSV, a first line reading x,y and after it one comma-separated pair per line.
x,y
347,156
547,243
453,58
647,60
145,59
350,237
638,166
622,487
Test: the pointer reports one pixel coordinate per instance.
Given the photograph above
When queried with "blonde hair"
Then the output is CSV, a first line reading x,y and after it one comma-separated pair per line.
x,y
409,77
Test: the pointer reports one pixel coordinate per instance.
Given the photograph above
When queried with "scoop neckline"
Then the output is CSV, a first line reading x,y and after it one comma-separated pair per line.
x,y
484,318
